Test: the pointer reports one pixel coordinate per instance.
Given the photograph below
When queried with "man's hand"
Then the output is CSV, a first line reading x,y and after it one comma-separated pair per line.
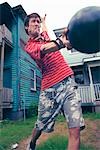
x,y
43,19
43,23
64,39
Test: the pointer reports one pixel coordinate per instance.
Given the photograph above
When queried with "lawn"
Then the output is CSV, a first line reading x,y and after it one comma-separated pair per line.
x,y
59,143
14,132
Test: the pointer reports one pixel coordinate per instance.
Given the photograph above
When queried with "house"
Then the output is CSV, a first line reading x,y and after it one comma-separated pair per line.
x,y
20,77
86,68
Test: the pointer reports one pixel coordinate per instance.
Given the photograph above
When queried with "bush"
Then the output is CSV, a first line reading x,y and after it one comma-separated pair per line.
x,y
33,110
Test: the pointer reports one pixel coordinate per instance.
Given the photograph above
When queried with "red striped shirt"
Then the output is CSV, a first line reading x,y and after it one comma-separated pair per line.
x,y
53,66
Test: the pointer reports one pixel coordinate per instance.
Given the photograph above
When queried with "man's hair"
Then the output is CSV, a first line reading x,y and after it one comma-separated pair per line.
x,y
28,17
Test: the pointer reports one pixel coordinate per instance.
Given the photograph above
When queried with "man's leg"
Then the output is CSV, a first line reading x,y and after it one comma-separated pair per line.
x,y
35,135
74,139
73,114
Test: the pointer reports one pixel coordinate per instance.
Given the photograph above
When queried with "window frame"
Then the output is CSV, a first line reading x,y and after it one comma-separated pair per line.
x,y
33,79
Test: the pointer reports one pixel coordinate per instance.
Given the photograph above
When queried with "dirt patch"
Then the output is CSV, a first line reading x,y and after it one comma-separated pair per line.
x,y
60,129
90,136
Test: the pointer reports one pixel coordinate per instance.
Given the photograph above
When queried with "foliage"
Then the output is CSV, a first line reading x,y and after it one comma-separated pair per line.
x,y
60,118
92,116
33,109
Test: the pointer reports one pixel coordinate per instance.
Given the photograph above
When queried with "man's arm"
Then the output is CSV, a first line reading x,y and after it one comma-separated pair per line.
x,y
56,45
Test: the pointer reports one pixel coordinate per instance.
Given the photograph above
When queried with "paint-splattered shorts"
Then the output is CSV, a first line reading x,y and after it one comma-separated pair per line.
x,y
63,97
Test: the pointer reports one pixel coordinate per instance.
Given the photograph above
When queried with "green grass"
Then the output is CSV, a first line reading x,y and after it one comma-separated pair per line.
x,y
59,143
54,143
92,116
12,132
60,118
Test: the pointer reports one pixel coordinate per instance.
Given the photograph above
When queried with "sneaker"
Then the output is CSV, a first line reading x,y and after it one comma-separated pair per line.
x,y
31,146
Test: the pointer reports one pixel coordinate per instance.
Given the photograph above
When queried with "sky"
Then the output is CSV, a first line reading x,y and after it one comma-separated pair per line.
x,y
59,12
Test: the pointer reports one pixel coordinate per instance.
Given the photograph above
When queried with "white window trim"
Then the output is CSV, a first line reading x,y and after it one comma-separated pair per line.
x,y
34,79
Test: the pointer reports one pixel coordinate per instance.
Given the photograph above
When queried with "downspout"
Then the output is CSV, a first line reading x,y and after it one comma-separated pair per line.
x,y
18,69
18,66
1,76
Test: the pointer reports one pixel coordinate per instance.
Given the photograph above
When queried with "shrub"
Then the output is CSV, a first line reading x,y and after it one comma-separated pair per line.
x,y
33,109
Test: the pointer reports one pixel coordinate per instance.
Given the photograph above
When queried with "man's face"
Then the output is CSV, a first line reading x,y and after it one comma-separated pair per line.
x,y
34,27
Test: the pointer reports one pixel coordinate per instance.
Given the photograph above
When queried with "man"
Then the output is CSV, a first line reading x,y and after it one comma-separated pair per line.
x,y
58,88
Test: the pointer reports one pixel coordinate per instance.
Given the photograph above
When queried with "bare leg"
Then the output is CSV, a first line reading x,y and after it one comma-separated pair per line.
x,y
74,139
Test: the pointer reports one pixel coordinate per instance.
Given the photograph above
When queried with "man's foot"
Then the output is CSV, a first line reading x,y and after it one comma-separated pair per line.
x,y
31,146
35,135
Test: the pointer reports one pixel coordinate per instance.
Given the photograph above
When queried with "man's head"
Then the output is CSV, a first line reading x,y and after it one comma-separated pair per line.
x,y
32,25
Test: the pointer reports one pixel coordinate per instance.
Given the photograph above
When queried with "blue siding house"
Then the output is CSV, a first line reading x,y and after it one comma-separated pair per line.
x,y
20,77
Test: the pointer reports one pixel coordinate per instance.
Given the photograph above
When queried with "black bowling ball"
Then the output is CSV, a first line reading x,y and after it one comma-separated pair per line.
x,y
84,30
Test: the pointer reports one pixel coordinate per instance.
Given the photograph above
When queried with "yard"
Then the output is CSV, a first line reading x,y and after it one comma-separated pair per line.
x,y
20,131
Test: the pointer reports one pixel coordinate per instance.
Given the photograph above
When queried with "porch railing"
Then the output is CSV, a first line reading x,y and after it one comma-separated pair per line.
x,y
86,93
90,95
97,91
7,97
5,33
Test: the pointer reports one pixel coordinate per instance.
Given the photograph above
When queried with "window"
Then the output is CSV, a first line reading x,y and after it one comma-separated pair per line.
x,y
79,77
38,82
33,80
58,32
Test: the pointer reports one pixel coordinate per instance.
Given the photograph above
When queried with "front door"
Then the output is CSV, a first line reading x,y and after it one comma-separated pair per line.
x,y
95,72
7,78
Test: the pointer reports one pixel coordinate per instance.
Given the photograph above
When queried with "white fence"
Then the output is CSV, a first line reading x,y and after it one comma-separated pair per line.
x,y
90,94
97,91
5,33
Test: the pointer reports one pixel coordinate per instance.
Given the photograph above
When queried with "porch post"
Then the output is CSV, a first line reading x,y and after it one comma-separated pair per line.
x,y
91,85
1,78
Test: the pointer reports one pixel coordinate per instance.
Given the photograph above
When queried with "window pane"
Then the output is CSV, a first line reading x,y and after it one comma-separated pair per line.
x,y
32,74
33,80
79,78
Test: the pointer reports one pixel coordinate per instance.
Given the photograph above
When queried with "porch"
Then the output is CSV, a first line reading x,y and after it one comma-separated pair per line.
x,y
6,44
7,98
90,95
